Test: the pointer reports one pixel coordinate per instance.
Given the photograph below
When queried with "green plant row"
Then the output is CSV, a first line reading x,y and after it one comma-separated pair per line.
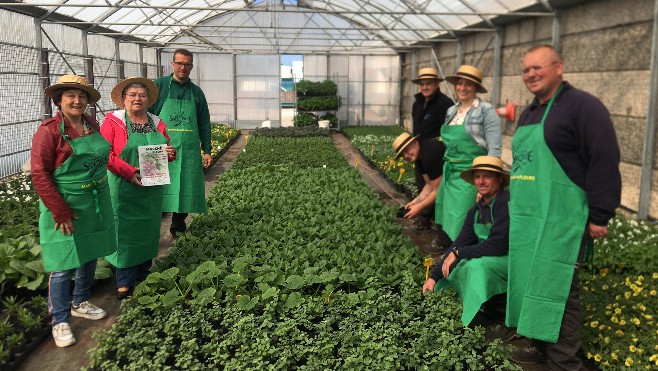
x,y
21,322
220,136
290,132
300,152
316,89
375,142
303,119
293,267
331,103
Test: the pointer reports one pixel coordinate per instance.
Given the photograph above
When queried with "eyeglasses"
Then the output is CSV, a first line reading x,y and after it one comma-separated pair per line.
x,y
186,65
536,69
135,95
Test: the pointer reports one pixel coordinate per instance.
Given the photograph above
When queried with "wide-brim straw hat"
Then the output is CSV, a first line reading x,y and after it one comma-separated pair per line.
x,y
469,73
117,91
427,74
489,163
67,82
401,142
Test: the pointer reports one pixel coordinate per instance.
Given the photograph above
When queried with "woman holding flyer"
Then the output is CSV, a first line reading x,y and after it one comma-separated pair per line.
x,y
137,208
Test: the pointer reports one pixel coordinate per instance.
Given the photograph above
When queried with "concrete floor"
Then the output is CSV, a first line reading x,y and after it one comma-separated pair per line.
x,y
50,357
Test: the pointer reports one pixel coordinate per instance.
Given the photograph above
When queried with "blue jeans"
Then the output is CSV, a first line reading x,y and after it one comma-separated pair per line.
x,y
126,277
59,288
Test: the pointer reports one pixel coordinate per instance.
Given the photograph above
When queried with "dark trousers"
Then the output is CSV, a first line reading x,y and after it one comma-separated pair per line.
x,y
178,222
563,354
427,215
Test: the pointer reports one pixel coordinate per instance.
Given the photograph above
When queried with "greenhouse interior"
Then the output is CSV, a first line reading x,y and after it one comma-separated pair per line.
x,y
281,184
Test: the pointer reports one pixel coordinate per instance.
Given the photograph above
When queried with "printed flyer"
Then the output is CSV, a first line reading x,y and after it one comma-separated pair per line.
x,y
153,165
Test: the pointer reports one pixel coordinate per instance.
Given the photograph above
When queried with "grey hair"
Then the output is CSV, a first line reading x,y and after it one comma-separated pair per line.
x,y
136,85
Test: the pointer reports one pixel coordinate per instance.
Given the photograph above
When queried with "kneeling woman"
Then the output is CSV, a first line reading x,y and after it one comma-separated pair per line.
x,y
137,209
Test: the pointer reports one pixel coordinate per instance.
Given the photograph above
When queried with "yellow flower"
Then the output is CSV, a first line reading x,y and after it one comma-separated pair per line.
x,y
653,357
640,278
605,287
604,272
607,340
627,294
594,324
629,362
622,322
614,320
636,321
602,327
652,292
654,275
632,348
641,307
597,358
619,333
614,356
589,355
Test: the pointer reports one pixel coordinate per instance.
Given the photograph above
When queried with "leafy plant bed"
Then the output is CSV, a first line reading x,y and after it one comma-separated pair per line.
x,y
374,143
296,265
23,325
290,132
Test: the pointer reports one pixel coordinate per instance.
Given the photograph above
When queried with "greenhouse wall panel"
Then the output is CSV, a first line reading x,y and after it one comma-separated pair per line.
x,y
131,69
65,39
129,52
17,29
315,67
149,56
214,66
102,46
380,115
258,65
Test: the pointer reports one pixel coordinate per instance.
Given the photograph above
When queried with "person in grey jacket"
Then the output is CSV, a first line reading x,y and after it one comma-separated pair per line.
x,y
472,128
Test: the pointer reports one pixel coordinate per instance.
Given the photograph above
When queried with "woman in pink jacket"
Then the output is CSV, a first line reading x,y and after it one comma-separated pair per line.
x,y
137,208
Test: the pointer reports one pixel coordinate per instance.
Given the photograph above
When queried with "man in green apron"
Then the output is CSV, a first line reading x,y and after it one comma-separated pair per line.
x,y
475,265
565,187
183,107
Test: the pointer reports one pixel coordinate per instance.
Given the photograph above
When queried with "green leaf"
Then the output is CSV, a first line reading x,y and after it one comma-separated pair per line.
x,y
170,273
232,281
206,296
245,302
295,282
171,297
295,299
271,292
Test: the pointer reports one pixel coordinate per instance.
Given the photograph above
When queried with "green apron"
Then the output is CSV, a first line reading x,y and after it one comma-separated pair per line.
x,y
137,210
477,280
548,216
186,193
456,196
82,182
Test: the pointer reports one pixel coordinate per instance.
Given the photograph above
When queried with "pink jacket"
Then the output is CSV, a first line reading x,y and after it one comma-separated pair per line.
x,y
114,129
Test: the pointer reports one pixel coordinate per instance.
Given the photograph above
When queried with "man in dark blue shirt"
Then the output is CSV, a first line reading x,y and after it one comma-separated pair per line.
x,y
475,265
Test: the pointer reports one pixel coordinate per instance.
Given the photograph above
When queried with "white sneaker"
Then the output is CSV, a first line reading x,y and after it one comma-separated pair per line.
x,y
87,310
63,335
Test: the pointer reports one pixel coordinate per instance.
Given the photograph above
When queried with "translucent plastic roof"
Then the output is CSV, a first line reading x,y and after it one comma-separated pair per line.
x,y
239,26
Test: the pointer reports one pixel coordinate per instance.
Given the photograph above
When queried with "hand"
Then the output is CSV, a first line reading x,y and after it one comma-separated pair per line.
x,y
448,264
596,231
414,210
136,179
207,160
171,152
67,225
429,285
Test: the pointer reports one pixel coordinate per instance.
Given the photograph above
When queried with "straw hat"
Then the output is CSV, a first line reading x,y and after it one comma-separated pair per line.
x,y
488,163
74,82
117,91
427,74
401,142
469,73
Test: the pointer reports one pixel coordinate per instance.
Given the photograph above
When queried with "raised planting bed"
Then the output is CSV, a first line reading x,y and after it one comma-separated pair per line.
x,y
296,265
24,323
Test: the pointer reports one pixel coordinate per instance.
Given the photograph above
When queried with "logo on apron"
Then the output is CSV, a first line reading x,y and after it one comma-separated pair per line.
x,y
176,119
520,159
95,164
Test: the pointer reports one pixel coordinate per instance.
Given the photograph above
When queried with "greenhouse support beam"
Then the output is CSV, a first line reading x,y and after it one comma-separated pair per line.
x,y
459,57
498,46
650,132
44,75
555,36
